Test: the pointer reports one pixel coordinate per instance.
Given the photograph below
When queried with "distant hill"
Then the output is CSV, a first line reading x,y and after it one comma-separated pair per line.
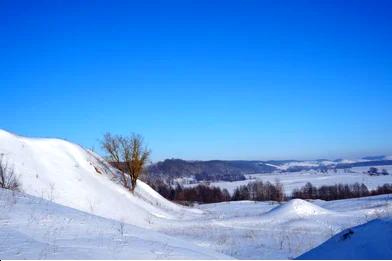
x,y
234,170
364,164
382,157
209,170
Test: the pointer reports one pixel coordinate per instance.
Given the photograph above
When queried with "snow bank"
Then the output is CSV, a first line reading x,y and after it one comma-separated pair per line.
x,y
67,174
372,240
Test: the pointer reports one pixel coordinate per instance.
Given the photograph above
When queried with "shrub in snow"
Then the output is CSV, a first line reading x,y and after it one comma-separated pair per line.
x,y
8,179
373,171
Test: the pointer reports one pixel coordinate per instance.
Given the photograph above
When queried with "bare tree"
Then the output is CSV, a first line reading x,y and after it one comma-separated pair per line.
x,y
111,144
8,179
129,155
279,194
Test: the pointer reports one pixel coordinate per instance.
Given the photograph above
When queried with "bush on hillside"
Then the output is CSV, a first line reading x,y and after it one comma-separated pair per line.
x,y
8,178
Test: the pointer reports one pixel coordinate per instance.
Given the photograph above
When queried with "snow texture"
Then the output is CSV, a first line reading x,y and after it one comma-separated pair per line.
x,y
372,240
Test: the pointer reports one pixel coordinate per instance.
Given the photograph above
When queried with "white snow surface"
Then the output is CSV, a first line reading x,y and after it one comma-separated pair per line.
x,y
72,208
298,208
34,228
372,240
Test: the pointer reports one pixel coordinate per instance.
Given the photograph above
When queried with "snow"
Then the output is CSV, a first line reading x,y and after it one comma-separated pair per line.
x,y
72,208
347,161
268,230
299,164
298,208
372,240
34,228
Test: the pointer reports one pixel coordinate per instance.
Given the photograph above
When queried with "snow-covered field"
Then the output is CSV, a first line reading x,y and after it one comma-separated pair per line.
x,y
262,230
72,208
34,228
295,180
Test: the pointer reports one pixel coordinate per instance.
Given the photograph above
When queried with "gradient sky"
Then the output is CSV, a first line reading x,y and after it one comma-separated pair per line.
x,y
202,79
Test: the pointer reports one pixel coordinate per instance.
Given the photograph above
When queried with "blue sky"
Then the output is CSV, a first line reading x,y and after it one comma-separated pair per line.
x,y
202,79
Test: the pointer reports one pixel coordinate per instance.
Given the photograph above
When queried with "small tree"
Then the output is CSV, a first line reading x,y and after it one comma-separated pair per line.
x,y
128,154
279,194
8,179
373,171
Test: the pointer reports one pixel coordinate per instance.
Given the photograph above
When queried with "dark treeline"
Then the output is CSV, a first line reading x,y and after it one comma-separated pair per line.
x,y
339,191
264,191
259,191
200,193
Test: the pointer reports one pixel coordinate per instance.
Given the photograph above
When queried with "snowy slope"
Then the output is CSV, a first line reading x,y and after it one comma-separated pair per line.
x,y
34,228
67,174
372,240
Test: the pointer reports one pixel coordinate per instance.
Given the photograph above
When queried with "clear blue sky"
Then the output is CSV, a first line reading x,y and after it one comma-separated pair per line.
x,y
202,79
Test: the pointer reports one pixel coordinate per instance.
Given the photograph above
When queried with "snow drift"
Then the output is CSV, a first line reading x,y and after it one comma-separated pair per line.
x,y
67,174
372,240
297,208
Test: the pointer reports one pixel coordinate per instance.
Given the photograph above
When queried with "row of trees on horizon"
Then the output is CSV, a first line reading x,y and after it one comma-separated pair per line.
x,y
264,191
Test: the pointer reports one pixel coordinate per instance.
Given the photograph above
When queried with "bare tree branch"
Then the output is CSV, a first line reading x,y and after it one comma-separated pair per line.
x,y
129,156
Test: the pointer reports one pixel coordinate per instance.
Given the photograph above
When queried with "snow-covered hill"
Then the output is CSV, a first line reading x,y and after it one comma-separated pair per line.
x,y
372,240
69,175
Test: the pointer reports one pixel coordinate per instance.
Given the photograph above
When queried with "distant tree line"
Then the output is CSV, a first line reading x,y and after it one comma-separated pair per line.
x,y
263,191
259,191
339,191
201,193
373,171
